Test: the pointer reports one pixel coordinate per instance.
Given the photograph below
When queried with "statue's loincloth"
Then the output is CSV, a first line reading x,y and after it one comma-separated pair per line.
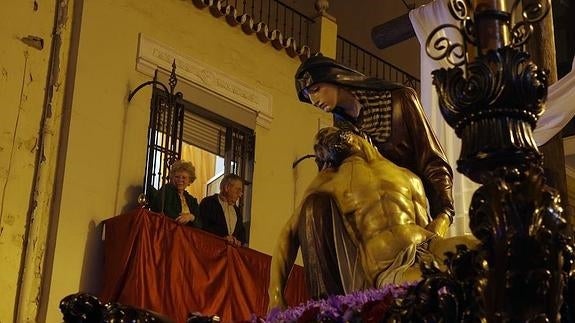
x,y
331,259
331,256
404,260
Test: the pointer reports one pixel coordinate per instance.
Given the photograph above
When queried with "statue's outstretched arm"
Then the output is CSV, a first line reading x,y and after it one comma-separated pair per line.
x,y
282,261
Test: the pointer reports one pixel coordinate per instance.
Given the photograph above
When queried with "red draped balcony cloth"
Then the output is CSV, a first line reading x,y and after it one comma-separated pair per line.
x,y
152,262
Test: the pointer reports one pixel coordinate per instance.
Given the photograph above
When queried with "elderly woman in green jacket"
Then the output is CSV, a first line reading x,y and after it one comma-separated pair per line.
x,y
173,200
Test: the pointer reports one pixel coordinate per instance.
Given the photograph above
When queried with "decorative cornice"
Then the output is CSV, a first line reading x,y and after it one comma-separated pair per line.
x,y
220,8
153,55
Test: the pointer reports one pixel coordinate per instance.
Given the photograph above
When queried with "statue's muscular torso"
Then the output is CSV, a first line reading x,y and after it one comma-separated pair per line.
x,y
384,208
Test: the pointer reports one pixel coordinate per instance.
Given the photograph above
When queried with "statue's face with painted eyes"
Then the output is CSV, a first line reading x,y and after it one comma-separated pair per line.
x,y
323,95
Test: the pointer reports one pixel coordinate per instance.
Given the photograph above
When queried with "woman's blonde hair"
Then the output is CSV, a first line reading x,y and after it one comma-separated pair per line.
x,y
183,166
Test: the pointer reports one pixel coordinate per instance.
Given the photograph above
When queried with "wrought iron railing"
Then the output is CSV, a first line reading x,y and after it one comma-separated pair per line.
x,y
165,131
276,22
369,64
277,16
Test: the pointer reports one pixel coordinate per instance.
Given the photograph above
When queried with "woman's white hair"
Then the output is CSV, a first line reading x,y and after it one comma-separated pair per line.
x,y
183,166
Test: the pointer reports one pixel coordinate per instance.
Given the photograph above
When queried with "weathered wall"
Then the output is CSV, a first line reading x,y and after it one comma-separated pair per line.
x,y
25,136
105,152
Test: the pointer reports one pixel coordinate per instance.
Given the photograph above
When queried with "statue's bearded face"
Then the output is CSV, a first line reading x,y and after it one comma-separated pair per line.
x,y
333,146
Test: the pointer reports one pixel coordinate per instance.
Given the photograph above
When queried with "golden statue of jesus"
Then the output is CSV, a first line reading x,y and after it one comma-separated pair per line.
x,y
363,223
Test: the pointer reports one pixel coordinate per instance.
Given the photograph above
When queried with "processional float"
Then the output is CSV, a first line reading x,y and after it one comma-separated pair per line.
x,y
492,97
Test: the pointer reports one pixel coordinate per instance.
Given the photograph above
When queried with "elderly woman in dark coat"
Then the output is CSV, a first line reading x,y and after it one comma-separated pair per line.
x,y
173,200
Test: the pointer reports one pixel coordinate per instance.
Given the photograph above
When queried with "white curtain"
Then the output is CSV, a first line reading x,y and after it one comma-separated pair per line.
x,y
424,20
560,105
560,108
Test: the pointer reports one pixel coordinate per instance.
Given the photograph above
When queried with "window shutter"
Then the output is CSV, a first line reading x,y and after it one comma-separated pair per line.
x,y
204,134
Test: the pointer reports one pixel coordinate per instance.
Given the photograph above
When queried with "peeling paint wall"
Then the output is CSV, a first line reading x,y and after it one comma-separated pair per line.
x,y
25,30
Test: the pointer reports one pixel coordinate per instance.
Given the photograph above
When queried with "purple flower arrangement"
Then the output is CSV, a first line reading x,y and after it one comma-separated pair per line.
x,y
362,306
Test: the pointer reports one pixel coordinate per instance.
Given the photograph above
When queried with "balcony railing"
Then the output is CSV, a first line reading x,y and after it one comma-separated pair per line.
x,y
276,15
369,64
287,28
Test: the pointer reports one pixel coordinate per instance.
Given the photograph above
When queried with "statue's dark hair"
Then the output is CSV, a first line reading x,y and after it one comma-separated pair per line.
x,y
332,146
